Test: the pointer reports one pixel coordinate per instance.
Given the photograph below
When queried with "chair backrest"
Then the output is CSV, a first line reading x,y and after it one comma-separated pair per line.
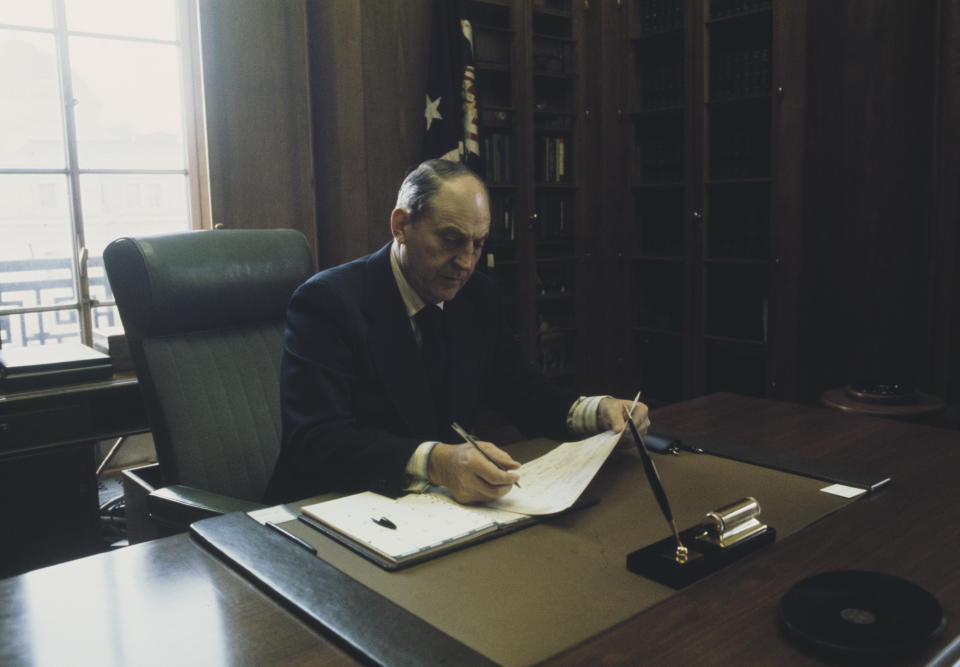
x,y
204,316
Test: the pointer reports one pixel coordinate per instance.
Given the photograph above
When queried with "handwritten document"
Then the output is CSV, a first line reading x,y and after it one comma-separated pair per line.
x,y
419,526
553,482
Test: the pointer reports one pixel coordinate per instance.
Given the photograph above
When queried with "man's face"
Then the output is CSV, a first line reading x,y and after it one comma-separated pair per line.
x,y
439,252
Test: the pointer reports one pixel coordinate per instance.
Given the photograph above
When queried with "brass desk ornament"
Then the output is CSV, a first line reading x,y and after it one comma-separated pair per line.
x,y
725,535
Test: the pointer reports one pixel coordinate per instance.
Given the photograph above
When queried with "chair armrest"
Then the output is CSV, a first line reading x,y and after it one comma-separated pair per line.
x,y
181,505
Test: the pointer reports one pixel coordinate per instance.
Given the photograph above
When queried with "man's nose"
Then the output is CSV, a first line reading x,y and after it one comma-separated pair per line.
x,y
464,257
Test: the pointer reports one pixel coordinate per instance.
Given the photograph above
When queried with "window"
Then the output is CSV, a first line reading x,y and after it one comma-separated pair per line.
x,y
101,136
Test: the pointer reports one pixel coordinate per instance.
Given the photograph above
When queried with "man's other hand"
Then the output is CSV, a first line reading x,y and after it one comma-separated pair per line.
x,y
611,414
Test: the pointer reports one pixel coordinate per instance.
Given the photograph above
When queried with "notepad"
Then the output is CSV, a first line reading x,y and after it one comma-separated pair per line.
x,y
429,524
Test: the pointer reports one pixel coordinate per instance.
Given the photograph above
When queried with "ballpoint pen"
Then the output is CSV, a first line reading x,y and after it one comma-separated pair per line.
x,y
681,553
469,438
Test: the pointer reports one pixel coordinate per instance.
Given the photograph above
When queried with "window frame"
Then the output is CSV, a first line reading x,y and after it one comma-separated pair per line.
x,y
195,146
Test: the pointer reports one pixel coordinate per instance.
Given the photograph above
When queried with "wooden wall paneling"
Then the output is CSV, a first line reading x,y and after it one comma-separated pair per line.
x,y
784,375
396,45
369,76
337,101
942,375
868,188
258,114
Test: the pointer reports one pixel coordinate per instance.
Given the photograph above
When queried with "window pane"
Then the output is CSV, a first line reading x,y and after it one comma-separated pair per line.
x,y
152,19
106,317
58,326
36,256
31,121
118,205
129,111
35,14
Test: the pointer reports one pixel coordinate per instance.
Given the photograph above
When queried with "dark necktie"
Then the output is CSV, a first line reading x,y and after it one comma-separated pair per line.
x,y
433,349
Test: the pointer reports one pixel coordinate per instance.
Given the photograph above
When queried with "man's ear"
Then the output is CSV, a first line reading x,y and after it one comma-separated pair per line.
x,y
399,220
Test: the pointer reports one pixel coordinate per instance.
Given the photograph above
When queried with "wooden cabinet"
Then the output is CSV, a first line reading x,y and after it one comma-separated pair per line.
x,y
530,90
701,130
734,173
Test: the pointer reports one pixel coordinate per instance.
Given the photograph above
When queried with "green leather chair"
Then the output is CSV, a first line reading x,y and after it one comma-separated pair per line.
x,y
204,315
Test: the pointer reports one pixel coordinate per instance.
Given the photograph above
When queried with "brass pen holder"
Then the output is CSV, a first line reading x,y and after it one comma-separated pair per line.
x,y
724,536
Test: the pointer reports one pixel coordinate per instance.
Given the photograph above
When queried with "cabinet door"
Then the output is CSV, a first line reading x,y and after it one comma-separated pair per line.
x,y
737,183
699,202
659,138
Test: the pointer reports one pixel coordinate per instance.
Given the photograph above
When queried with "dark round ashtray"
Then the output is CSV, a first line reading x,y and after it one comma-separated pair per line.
x,y
882,392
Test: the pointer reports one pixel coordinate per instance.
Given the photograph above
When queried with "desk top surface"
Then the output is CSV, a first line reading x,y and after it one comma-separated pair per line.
x,y
112,608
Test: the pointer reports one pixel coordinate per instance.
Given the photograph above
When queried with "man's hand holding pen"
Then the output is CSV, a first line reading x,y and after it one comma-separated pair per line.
x,y
472,474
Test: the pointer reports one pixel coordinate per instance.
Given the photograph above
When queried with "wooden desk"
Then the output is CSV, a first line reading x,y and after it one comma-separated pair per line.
x,y
174,602
47,462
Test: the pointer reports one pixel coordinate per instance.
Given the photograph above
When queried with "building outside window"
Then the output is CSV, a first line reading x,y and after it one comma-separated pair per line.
x,y
101,136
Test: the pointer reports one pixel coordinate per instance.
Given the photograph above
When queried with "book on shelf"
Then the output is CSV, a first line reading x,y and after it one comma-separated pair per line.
x,y
398,532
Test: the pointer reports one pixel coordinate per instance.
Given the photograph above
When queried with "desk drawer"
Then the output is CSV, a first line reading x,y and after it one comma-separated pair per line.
x,y
44,426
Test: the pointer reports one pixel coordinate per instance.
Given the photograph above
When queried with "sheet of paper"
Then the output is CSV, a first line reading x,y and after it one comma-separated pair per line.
x,y
553,482
275,514
843,490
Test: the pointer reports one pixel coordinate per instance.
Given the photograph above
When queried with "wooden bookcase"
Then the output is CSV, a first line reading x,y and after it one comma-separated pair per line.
x,y
530,83
700,210
680,249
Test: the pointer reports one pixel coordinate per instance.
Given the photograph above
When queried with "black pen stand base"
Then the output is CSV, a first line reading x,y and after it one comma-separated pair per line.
x,y
658,561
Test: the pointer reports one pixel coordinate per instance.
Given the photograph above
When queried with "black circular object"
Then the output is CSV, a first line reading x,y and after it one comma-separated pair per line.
x,y
860,614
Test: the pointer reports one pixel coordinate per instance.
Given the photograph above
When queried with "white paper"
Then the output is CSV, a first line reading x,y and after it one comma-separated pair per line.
x,y
843,490
553,482
423,521
275,514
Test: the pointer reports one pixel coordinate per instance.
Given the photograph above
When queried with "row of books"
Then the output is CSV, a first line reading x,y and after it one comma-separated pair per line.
x,y
722,8
663,85
740,73
659,15
739,152
502,226
498,157
661,160
551,164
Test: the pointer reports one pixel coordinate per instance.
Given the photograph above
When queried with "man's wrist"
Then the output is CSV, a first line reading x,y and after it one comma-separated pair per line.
x,y
583,418
417,473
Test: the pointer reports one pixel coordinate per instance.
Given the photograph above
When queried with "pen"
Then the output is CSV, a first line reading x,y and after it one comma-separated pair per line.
x,y
385,522
290,536
466,436
658,490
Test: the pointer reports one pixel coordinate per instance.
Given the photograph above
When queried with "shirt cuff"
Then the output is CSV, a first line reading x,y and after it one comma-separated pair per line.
x,y
416,475
582,418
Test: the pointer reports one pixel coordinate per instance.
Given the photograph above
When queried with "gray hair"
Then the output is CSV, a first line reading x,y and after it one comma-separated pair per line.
x,y
421,184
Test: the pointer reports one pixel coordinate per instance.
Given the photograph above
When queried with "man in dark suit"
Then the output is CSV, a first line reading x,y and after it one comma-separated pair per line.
x,y
383,353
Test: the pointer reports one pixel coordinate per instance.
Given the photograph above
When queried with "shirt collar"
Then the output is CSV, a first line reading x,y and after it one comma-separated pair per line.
x,y
411,300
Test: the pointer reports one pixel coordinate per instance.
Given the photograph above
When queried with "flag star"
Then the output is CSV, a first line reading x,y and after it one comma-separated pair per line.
x,y
432,111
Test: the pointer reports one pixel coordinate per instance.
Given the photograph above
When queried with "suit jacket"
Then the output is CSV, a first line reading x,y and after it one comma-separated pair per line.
x,y
355,398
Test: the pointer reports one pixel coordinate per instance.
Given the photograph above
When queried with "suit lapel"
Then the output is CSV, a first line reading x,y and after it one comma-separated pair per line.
x,y
393,348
